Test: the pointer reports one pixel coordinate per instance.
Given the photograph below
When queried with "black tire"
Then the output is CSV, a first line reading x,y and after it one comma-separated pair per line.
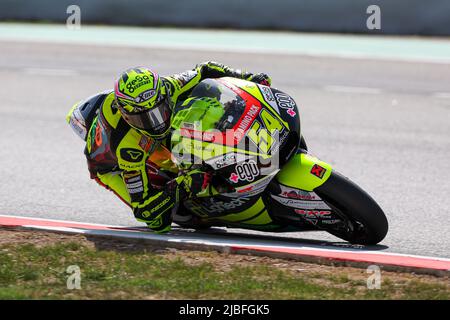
x,y
367,223
303,144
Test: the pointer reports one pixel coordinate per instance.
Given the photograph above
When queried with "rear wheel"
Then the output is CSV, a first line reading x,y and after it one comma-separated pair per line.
x,y
364,221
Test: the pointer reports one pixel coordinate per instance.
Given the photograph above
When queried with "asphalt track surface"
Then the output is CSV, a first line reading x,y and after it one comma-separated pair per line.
x,y
384,124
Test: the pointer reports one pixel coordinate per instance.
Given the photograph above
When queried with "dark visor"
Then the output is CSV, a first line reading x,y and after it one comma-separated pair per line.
x,y
155,121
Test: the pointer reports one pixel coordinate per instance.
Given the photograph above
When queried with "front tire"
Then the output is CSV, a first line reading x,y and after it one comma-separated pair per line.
x,y
365,221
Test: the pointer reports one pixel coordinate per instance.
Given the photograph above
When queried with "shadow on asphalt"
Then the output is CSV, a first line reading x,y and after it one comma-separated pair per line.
x,y
280,240
107,242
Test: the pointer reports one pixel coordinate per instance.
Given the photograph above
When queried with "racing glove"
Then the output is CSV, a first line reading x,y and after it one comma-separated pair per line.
x,y
213,69
161,224
196,181
156,210
261,78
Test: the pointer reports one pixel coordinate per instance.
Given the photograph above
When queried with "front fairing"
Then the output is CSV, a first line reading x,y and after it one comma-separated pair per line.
x,y
232,128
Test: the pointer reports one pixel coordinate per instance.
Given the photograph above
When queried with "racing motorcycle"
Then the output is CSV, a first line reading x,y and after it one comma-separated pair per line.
x,y
247,137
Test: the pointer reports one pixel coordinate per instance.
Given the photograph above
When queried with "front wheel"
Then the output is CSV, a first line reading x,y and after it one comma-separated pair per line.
x,y
364,221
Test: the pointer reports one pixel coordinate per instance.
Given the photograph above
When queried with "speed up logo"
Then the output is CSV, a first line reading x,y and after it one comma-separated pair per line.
x,y
246,171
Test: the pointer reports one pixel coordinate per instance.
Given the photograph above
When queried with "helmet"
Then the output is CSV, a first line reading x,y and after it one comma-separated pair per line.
x,y
140,99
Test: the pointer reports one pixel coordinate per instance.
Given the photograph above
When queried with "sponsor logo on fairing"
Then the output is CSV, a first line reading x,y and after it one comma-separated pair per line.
x,y
293,193
249,117
313,213
268,95
253,188
291,112
331,221
245,171
221,206
247,120
286,102
317,216
318,171
301,204
278,140
227,159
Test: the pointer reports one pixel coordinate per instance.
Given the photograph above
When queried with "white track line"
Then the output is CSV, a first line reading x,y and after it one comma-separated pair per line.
x,y
195,238
63,221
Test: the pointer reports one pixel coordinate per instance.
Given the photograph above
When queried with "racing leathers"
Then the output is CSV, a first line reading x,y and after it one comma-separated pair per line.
x,y
137,168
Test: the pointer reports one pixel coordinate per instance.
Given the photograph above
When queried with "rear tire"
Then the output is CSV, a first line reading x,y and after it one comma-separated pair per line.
x,y
366,221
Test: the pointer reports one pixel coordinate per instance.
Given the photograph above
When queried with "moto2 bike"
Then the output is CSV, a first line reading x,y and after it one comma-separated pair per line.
x,y
248,137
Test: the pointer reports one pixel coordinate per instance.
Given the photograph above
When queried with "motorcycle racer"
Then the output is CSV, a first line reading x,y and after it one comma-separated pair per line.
x,y
127,134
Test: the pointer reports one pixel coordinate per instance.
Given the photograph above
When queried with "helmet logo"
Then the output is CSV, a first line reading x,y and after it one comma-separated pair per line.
x,y
137,82
144,96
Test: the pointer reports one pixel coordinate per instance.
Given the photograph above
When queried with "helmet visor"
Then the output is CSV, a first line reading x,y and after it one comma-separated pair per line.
x,y
154,121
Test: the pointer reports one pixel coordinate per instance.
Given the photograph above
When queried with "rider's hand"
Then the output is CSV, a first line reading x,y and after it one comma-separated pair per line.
x,y
196,181
261,78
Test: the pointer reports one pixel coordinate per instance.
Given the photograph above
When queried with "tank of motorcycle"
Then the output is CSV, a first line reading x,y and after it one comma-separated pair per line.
x,y
241,131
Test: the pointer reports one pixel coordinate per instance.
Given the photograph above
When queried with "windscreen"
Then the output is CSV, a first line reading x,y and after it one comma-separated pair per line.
x,y
233,104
